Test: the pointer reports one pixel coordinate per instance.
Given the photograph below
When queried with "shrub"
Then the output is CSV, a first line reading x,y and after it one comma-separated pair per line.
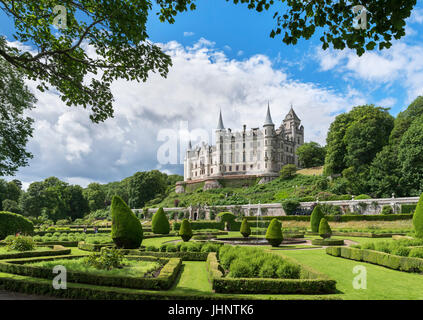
x,y
416,253
185,231
108,259
387,209
288,171
126,227
274,233
288,271
362,197
401,251
315,218
324,229
241,269
418,218
289,206
160,223
12,223
408,208
20,243
245,228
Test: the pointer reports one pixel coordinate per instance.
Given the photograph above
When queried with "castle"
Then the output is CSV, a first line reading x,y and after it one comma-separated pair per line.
x,y
254,153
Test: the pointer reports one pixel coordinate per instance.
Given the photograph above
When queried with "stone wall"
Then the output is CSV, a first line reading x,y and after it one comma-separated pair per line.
x,y
367,206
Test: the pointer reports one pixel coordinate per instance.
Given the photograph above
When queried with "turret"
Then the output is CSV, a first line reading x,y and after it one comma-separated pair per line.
x,y
220,131
269,129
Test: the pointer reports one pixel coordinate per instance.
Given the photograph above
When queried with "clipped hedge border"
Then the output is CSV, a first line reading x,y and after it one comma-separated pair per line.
x,y
163,281
390,261
82,245
70,244
42,233
311,282
184,256
366,234
327,242
30,254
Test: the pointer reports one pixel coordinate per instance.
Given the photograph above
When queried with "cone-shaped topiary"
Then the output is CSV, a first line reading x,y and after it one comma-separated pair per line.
x,y
274,233
315,218
418,218
245,228
324,229
126,227
159,223
185,230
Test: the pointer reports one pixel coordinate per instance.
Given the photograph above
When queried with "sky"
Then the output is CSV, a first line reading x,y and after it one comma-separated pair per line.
x,y
223,59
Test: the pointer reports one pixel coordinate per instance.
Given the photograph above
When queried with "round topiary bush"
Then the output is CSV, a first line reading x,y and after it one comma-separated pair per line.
x,y
418,218
126,227
324,229
245,228
227,218
160,223
12,223
185,230
315,218
274,233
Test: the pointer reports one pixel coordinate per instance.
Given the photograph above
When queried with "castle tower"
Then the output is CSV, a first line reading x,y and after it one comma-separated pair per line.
x,y
220,132
269,131
187,162
294,131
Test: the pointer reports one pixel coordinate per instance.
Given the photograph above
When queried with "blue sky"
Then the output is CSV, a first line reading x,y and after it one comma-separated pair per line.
x,y
223,59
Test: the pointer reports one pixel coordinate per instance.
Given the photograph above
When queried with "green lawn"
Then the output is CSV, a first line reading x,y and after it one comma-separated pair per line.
x,y
382,283
158,241
3,250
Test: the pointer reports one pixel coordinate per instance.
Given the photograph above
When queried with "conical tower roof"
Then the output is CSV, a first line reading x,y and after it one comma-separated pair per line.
x,y
220,125
292,115
268,121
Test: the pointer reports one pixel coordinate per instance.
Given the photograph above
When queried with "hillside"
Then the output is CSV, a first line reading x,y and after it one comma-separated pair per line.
x,y
303,187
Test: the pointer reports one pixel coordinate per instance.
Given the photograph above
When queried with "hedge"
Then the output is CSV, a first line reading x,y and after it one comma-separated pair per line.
x,y
60,243
327,242
11,223
315,283
163,281
30,254
160,223
235,225
366,234
408,208
82,245
184,256
391,261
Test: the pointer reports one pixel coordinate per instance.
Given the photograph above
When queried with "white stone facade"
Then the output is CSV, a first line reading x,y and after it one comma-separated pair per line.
x,y
255,152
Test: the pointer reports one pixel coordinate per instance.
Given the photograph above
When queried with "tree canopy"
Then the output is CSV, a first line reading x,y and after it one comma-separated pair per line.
x,y
15,127
311,154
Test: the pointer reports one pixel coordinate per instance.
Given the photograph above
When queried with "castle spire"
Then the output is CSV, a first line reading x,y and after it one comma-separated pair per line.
x,y
189,145
268,120
220,125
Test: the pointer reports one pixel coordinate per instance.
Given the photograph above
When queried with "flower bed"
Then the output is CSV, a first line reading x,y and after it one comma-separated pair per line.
x,y
300,279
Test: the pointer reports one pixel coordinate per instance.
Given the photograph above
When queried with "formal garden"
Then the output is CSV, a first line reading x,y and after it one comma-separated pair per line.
x,y
232,257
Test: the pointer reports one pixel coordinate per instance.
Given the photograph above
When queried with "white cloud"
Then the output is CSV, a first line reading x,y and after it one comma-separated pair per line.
x,y
401,65
188,34
202,80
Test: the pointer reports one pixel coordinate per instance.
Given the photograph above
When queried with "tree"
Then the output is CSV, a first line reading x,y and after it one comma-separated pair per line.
x,y
418,218
245,228
185,230
410,157
78,205
315,218
302,19
324,229
274,233
353,141
145,186
288,171
311,154
159,223
95,196
114,30
127,231
15,127
11,206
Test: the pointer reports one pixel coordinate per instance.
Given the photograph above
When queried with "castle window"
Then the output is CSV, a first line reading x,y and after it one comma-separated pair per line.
x,y
244,168
237,168
211,170
230,168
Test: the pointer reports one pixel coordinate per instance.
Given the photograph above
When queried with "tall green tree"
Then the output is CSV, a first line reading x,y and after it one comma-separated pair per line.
x,y
145,186
15,127
95,195
311,154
